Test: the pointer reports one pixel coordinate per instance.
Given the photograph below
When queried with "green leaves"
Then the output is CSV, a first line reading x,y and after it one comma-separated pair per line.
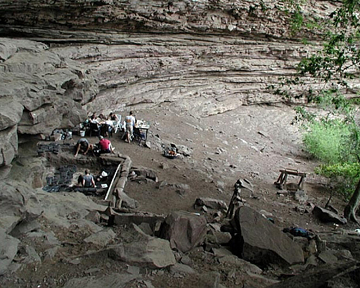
x,y
332,135
347,14
337,62
344,176
323,139
335,143
339,59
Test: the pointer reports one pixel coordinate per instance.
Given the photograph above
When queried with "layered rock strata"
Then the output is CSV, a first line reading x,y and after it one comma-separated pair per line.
x,y
205,57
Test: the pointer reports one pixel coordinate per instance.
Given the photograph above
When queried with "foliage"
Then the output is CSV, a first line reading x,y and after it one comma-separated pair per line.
x,y
355,101
339,60
324,139
336,63
332,103
335,103
263,6
298,20
333,138
344,175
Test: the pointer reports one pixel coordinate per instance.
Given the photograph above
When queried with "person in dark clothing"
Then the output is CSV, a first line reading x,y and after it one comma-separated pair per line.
x,y
80,180
113,117
88,180
83,146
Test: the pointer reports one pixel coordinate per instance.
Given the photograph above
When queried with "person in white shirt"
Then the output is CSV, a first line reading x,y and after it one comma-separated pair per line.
x,y
129,123
109,127
94,118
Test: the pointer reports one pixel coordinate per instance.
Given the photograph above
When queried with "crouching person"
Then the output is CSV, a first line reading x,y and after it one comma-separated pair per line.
x,y
83,146
105,145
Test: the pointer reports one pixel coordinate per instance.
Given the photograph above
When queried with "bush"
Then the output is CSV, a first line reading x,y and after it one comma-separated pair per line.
x,y
324,140
344,176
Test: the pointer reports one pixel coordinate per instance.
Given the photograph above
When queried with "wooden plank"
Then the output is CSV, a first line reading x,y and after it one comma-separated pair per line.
x,y
292,172
112,182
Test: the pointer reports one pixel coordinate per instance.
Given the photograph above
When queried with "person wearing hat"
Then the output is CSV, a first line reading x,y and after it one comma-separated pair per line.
x,y
105,145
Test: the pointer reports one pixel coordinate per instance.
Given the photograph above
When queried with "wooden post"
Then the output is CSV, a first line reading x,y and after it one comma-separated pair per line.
x,y
236,194
107,196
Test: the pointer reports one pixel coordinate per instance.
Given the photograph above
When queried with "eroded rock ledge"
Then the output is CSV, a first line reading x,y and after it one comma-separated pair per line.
x,y
204,57
38,92
251,18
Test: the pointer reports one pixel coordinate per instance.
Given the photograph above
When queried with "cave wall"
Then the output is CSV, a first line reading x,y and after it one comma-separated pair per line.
x,y
265,18
60,60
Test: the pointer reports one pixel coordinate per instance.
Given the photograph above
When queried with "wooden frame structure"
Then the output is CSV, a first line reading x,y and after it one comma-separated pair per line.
x,y
282,180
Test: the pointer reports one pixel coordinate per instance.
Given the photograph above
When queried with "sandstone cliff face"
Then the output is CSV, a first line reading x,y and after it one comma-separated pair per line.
x,y
205,57
38,92
250,18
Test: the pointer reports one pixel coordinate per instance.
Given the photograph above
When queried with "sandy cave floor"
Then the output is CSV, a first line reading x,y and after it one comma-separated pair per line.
x,y
252,143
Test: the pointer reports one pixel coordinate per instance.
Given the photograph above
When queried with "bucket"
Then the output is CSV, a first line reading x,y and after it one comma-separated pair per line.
x,y
82,133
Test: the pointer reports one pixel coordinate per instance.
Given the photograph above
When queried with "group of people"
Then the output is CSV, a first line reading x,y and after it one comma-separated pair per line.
x,y
83,146
104,146
102,118
104,125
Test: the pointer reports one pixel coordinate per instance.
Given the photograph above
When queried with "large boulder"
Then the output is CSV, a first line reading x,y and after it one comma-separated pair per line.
x,y
327,216
18,203
101,238
10,112
348,241
211,203
261,242
8,250
39,91
66,209
184,230
63,113
144,250
8,145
